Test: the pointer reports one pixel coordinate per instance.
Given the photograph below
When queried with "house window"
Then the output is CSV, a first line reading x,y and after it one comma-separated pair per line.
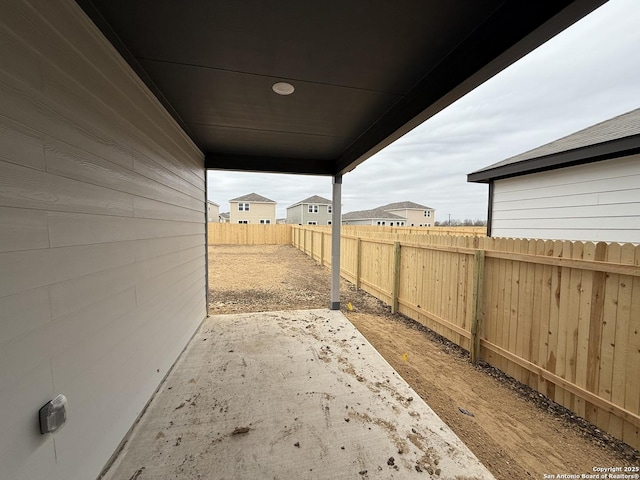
x,y
313,208
329,209
265,221
391,224
243,207
244,222
312,222
427,213
381,222
329,222
428,224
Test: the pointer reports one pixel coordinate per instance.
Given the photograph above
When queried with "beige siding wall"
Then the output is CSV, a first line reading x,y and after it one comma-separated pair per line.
x,y
257,212
101,241
417,218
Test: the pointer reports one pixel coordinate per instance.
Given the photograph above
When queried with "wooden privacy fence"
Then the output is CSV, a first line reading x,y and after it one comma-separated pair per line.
x,y
375,231
562,317
237,234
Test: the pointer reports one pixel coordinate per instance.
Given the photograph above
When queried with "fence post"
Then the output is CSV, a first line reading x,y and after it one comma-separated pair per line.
x,y
311,244
304,241
358,251
396,277
476,304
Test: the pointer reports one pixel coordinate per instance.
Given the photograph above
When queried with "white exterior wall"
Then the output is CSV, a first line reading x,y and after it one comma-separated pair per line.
x,y
374,222
257,211
358,222
213,213
102,251
592,202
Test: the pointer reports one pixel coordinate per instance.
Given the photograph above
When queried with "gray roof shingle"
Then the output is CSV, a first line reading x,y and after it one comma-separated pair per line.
x,y
612,138
376,213
252,197
315,199
404,205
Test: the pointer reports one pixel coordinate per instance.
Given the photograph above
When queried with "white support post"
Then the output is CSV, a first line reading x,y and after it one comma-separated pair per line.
x,y
336,223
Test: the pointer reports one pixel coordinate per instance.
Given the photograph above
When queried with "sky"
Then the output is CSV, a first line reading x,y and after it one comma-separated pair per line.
x,y
586,74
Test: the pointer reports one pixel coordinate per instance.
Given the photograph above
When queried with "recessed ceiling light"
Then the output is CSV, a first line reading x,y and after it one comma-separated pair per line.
x,y
283,88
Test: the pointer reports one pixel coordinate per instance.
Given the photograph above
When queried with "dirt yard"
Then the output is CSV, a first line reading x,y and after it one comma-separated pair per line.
x,y
514,431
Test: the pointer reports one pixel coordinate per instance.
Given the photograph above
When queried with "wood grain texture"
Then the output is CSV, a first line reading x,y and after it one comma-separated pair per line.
x,y
22,229
67,229
560,316
20,144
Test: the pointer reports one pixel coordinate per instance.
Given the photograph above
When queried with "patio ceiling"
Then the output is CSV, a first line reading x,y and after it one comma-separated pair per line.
x,y
365,72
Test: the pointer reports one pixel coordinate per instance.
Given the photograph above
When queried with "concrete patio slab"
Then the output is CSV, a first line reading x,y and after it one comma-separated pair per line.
x,y
289,395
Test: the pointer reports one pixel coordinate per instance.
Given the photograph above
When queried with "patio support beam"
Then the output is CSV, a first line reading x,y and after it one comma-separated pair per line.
x,y
336,223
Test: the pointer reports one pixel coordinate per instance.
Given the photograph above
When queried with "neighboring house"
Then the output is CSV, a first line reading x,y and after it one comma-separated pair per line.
x,y
281,221
585,186
374,217
224,217
213,212
314,210
252,208
416,215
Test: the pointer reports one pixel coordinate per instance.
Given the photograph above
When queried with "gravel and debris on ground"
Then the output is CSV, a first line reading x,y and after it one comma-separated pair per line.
x,y
513,430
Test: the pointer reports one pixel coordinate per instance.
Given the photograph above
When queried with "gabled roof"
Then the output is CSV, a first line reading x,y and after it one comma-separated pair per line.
x,y
404,206
224,214
252,197
616,137
375,214
212,203
315,199
385,68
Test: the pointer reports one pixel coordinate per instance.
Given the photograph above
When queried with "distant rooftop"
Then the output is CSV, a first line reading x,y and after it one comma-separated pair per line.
x,y
316,199
252,197
376,213
405,205
616,137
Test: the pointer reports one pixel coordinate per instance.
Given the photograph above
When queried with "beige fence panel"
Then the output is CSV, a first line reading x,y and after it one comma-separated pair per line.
x,y
237,234
560,316
372,230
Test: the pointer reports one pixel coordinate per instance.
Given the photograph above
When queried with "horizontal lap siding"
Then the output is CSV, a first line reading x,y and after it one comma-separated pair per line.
x,y
102,241
596,202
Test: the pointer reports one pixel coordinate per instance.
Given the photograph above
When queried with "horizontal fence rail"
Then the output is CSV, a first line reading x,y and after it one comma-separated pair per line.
x,y
562,317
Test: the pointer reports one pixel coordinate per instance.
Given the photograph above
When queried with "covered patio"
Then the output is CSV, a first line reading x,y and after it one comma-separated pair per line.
x,y
289,394
112,113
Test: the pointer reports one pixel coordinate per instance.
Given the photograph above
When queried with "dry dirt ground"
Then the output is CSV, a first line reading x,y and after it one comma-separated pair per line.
x,y
515,432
